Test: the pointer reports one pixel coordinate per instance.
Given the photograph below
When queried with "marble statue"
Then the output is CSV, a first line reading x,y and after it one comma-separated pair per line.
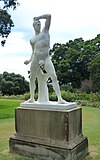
x,y
41,65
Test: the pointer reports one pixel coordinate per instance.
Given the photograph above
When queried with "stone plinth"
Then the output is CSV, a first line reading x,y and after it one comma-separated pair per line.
x,y
49,131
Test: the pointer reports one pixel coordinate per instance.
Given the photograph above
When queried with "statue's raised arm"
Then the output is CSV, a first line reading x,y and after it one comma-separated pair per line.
x,y
47,22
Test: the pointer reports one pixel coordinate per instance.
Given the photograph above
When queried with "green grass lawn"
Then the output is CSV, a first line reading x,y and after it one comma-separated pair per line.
x,y
6,131
91,129
7,107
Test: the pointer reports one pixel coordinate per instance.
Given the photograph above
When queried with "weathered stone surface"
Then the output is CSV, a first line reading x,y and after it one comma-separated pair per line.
x,y
49,133
45,152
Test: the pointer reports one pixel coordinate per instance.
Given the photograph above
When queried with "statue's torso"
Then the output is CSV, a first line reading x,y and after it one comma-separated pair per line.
x,y
41,45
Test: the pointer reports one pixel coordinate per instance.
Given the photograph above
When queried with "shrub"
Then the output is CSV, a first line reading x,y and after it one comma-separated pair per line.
x,y
90,99
68,96
27,96
53,97
67,88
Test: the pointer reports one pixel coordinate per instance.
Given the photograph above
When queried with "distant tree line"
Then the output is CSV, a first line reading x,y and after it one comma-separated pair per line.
x,y
77,62
13,84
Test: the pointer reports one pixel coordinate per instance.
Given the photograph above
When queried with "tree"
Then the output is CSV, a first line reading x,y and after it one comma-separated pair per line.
x,y
71,60
94,68
6,23
7,87
11,83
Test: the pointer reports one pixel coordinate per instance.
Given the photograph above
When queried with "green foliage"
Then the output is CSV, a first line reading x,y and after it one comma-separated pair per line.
x,y
6,23
84,99
10,3
27,96
94,68
71,60
53,97
13,84
67,87
90,103
68,96
13,97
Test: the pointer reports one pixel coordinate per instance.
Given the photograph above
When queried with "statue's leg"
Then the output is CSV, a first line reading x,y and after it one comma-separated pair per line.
x,y
33,71
32,89
51,72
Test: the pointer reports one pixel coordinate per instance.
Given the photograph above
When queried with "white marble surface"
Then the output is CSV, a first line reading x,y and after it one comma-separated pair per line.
x,y
49,105
41,66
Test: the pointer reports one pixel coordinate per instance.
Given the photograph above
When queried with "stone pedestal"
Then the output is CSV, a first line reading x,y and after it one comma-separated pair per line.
x,y
49,131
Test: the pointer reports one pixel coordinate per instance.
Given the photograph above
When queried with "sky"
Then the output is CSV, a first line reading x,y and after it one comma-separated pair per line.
x,y
70,19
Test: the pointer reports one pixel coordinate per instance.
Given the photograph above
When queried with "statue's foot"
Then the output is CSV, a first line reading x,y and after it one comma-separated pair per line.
x,y
30,101
62,101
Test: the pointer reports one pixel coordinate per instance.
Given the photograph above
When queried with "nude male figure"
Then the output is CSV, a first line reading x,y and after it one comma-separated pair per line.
x,y
40,59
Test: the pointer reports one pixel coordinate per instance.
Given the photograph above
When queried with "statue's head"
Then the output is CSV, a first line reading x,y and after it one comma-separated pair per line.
x,y
37,25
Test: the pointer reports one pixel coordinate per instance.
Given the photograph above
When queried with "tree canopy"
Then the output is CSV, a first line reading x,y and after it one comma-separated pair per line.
x,y
71,60
13,84
6,23
94,69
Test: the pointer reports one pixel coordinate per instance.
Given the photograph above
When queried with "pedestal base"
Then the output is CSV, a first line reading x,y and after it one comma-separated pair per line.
x,y
44,152
49,133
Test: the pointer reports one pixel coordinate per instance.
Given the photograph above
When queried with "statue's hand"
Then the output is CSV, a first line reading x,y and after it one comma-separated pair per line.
x,y
27,62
